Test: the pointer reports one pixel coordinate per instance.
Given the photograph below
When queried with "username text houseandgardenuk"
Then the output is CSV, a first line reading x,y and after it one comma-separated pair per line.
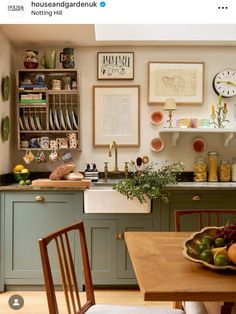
x,y
63,4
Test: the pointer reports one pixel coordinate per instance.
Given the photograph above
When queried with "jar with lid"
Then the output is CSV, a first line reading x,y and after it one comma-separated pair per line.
x,y
213,158
200,169
224,171
233,170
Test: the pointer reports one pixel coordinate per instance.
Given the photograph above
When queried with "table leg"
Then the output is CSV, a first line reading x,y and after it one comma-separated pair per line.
x,y
226,308
177,305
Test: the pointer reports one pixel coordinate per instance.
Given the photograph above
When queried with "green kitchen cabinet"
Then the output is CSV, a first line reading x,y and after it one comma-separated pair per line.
x,y
195,199
124,267
109,258
29,216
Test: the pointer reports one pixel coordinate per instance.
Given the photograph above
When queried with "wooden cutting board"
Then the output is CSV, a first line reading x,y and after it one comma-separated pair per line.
x,y
61,183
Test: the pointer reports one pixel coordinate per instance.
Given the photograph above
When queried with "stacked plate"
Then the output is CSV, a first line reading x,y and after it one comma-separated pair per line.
x,y
30,123
62,120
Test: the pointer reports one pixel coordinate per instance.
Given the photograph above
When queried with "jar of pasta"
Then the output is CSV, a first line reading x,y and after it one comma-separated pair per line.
x,y
233,170
213,158
200,169
224,171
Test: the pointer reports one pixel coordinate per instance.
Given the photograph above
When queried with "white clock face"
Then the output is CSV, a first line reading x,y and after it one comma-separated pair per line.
x,y
224,83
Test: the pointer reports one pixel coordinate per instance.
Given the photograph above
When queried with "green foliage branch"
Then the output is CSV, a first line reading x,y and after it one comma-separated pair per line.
x,y
151,182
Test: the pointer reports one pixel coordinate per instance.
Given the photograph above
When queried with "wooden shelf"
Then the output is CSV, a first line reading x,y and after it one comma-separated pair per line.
x,y
66,104
175,133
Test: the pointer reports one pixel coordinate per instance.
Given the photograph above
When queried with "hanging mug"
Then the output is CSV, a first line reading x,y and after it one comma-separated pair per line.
x,y
29,157
40,157
67,58
49,59
53,156
66,156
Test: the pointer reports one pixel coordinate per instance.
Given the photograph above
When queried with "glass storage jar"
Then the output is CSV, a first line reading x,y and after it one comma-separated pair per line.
x,y
224,171
233,170
213,158
200,169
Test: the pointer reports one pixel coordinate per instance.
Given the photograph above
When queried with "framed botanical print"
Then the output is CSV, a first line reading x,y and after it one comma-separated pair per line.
x,y
182,81
115,66
116,115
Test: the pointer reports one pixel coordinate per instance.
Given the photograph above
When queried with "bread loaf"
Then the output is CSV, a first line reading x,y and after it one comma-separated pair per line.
x,y
61,171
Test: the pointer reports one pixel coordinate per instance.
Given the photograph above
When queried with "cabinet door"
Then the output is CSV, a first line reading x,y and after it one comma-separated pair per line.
x,y
125,268
102,248
26,220
189,200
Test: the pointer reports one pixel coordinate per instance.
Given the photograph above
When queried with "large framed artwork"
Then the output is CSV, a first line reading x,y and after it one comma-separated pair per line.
x,y
182,81
115,66
116,115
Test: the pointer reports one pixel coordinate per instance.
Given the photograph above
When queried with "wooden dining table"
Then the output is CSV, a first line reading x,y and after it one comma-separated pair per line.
x,y
163,274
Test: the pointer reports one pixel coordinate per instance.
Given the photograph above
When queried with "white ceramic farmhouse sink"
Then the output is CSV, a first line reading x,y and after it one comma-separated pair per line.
x,y
103,199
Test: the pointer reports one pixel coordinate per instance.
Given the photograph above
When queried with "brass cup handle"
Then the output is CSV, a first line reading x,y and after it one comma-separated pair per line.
x,y
120,235
196,198
39,198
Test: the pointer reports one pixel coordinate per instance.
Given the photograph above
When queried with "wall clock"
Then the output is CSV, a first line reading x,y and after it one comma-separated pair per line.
x,y
224,83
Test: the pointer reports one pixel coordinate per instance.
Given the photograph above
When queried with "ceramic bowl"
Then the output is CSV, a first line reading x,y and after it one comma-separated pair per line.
x,y
21,176
156,117
31,64
191,245
157,144
199,145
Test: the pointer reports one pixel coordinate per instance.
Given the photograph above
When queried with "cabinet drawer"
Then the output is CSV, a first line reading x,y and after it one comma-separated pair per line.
x,y
196,199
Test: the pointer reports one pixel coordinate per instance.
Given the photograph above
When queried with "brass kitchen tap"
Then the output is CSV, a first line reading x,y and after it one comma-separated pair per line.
x,y
113,143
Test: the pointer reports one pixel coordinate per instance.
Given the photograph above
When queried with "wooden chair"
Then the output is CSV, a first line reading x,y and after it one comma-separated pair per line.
x,y
206,217
60,239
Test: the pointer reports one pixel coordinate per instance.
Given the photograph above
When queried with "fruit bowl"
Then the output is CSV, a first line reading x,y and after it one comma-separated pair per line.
x,y
21,176
191,248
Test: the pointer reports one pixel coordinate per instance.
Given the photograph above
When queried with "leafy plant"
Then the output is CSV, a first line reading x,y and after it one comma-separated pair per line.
x,y
150,183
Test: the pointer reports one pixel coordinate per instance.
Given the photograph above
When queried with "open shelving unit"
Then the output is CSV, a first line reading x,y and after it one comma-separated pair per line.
x,y
50,112
175,133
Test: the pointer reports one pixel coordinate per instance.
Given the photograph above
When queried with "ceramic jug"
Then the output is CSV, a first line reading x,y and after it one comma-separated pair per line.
x,y
31,59
49,59
67,58
67,82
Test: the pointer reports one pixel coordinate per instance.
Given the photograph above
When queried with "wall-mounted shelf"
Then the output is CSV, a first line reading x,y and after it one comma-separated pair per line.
x,y
175,133
43,111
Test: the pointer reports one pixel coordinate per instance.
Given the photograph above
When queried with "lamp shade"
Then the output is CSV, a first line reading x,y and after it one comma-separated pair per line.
x,y
170,104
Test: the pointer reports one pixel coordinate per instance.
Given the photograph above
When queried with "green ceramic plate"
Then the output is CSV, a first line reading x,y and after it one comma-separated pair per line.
x,y
6,87
5,128
191,248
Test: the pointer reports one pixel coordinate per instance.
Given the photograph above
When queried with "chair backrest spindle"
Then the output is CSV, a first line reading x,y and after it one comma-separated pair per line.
x,y
202,213
61,241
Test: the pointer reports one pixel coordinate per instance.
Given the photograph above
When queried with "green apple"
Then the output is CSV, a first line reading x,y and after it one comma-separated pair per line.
x,y
22,182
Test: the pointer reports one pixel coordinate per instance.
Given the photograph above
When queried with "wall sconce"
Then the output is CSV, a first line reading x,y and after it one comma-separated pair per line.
x,y
170,105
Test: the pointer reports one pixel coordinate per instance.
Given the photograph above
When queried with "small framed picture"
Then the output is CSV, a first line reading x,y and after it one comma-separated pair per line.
x,y
115,66
182,81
